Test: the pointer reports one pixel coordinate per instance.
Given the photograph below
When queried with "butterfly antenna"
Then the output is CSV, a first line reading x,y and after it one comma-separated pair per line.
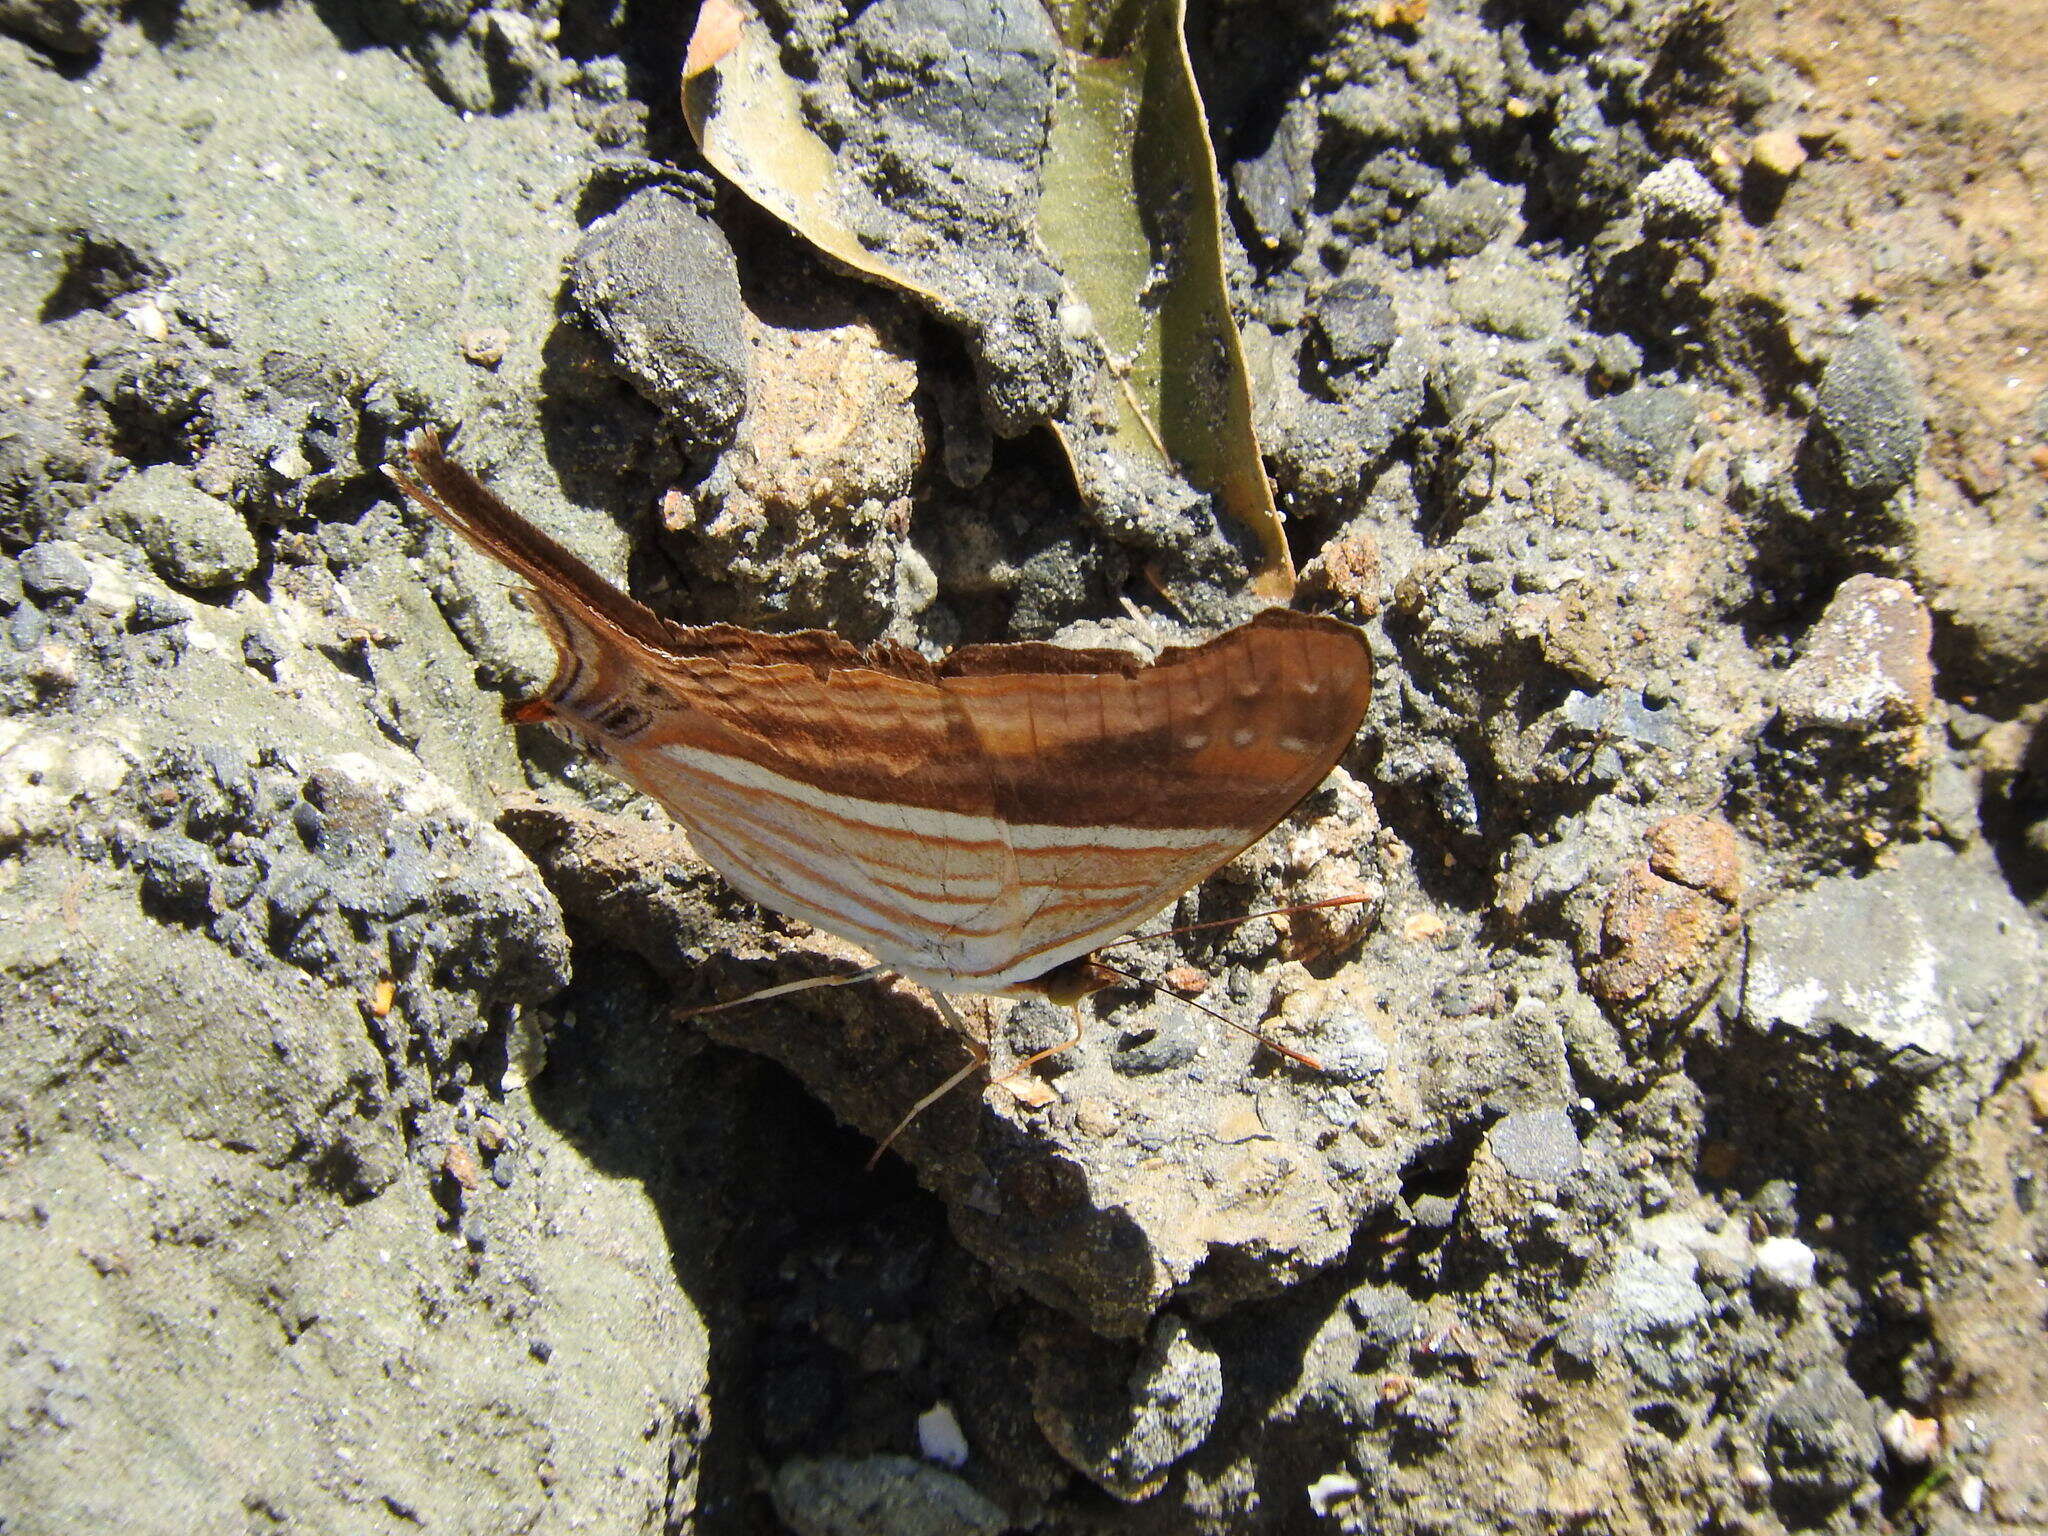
x,y
1232,922
1244,1029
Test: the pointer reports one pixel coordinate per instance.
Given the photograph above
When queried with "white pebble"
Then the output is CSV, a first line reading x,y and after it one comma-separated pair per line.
x,y
1785,1262
1330,1490
940,1438
1913,1441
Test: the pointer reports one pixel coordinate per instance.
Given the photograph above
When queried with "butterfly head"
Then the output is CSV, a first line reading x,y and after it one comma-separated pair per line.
x,y
1067,984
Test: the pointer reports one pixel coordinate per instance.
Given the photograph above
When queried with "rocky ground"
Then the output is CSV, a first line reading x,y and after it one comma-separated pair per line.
x,y
1664,386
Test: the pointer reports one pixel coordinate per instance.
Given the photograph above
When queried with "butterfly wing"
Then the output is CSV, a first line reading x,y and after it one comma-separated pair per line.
x,y
1120,789
973,825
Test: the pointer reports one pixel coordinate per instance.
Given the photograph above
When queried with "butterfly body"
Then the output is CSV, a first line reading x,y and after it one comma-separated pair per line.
x,y
977,823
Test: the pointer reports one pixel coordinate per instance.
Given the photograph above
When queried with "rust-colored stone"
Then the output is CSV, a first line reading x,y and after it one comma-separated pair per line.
x,y
1698,851
1867,663
1347,569
1653,928
459,1163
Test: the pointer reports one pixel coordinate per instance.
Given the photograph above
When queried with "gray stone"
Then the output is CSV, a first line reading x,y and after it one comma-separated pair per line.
x,y
157,610
46,473
1820,1438
1159,1040
177,873
1127,1438
1350,1048
979,76
659,280
1639,435
1274,186
1355,320
26,627
1620,714
1868,413
62,26
879,1496
1921,962
1676,199
1539,1145
1388,1321
11,592
54,569
1508,293
194,540
1655,1293
1433,1213
1460,220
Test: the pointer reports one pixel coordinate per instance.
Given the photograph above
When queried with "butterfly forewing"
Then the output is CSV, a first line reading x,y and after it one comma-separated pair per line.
x,y
973,824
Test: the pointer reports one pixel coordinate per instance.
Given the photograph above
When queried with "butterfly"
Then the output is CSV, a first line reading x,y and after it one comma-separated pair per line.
x,y
980,823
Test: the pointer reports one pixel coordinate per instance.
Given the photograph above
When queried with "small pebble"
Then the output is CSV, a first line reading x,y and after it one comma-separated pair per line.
x,y
54,669
1785,1263
26,627
1678,197
1777,153
149,321
1913,1441
261,653
157,610
459,1163
486,347
1971,1492
1095,1117
2036,1084
52,570
1617,359
1330,1491
940,1438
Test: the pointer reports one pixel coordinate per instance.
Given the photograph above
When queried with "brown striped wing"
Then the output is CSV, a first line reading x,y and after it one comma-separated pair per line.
x,y
1119,791
973,824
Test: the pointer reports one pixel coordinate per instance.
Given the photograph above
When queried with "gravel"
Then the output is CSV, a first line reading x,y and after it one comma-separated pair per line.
x,y
1867,413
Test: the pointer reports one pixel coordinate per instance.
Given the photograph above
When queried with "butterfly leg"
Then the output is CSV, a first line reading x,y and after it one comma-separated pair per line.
x,y
783,990
980,1060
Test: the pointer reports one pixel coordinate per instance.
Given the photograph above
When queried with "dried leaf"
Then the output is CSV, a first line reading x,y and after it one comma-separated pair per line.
x,y
1132,213
748,120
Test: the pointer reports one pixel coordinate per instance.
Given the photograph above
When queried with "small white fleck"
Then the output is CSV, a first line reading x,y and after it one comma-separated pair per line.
x,y
1293,744
1243,736
1330,1490
1194,741
940,1438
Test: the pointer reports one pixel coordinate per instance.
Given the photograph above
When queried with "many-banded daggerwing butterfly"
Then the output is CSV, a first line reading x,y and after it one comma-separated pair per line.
x,y
975,823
